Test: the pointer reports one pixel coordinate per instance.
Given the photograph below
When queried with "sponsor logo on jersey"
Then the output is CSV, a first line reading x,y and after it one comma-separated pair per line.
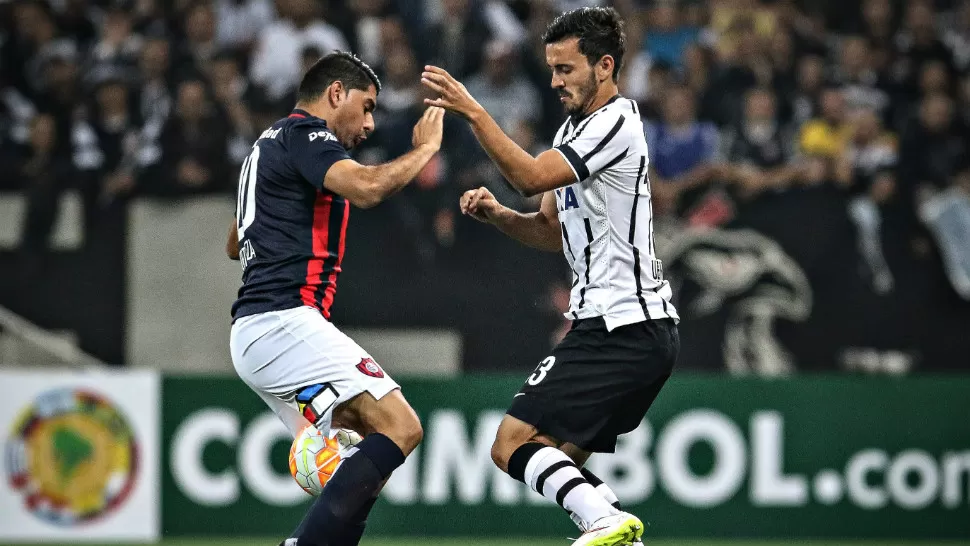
x,y
567,199
325,135
367,366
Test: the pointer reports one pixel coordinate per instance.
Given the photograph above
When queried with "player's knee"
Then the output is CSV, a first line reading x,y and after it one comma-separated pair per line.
x,y
511,434
409,434
406,432
501,454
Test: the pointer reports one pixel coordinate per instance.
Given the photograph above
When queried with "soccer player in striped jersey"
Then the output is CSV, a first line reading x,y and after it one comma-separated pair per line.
x,y
295,192
604,375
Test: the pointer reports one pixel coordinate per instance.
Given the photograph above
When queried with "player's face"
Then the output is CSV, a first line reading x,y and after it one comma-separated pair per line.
x,y
355,117
572,75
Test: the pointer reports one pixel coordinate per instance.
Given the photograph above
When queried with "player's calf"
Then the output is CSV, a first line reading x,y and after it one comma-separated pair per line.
x,y
601,488
392,431
580,457
547,470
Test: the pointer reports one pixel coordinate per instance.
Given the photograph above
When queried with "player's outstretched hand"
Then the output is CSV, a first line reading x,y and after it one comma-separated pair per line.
x,y
480,204
452,94
427,131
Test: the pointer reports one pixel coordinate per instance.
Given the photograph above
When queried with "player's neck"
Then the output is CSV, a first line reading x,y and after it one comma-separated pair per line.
x,y
315,110
603,95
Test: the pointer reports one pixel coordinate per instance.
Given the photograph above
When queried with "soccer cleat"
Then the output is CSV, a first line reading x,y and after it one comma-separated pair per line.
x,y
619,530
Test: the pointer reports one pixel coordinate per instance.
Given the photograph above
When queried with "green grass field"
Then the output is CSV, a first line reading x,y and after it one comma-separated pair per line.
x,y
562,542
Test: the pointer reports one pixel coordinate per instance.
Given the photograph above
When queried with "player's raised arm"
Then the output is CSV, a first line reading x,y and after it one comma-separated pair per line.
x,y
365,186
334,113
538,229
527,174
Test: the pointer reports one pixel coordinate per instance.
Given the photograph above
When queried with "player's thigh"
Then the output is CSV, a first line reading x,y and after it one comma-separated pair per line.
x,y
287,412
299,357
391,415
576,453
636,404
631,408
249,353
574,394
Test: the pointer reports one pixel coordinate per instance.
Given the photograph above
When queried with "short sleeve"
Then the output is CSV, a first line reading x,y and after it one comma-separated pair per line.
x,y
314,149
600,142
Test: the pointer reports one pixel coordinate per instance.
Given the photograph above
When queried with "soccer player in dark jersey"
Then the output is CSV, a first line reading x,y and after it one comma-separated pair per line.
x,y
294,197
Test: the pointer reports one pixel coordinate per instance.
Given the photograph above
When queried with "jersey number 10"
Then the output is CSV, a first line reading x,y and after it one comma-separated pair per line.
x,y
246,194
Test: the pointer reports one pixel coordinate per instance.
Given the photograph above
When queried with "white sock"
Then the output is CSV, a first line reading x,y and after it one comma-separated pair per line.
x,y
604,491
601,487
555,476
607,494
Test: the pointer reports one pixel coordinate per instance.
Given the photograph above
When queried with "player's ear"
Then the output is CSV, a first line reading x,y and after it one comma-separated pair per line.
x,y
604,68
336,94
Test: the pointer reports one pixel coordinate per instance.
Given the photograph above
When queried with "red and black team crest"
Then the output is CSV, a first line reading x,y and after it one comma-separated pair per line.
x,y
367,366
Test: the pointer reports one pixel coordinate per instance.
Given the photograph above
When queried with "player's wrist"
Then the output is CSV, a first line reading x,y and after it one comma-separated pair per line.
x,y
476,115
497,214
428,148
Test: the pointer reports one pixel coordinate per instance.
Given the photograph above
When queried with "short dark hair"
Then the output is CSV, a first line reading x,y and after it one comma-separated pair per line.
x,y
340,66
600,33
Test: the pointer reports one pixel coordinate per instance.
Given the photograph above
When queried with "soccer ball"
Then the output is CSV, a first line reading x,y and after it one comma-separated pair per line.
x,y
315,456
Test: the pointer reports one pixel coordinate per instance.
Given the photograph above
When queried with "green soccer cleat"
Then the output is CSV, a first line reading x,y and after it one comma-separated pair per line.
x,y
618,530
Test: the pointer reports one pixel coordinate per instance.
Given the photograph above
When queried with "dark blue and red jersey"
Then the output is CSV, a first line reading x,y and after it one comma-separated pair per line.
x,y
291,229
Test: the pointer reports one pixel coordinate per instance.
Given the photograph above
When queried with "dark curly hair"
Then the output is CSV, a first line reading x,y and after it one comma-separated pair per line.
x,y
600,33
340,66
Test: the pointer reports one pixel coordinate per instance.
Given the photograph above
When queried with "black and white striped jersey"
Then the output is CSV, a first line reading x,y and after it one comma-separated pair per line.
x,y
607,221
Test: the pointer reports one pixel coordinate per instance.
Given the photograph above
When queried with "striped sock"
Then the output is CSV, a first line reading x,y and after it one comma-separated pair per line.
x,y
601,488
554,475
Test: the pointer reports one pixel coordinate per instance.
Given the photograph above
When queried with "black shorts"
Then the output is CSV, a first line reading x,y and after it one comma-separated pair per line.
x,y
598,384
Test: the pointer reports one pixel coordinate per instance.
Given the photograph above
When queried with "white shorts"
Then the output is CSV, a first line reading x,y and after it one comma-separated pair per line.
x,y
302,366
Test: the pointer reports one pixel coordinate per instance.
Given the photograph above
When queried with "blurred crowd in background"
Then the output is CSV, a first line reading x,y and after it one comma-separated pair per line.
x,y
806,121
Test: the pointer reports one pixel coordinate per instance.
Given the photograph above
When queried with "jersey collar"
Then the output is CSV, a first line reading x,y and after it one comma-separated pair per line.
x,y
300,113
576,119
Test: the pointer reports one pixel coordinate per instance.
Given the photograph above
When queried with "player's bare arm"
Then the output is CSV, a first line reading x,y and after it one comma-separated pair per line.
x,y
538,229
366,186
527,174
232,242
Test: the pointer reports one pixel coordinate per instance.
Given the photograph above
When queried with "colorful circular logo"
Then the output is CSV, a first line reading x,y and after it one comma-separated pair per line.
x,y
73,456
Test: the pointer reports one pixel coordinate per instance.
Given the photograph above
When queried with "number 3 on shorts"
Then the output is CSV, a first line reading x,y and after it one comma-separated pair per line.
x,y
541,370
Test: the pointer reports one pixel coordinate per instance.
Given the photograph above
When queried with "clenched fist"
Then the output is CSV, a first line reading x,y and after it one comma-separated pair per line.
x,y
480,204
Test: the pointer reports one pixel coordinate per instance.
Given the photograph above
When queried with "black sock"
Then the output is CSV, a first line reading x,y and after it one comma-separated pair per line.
x,y
351,492
355,528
